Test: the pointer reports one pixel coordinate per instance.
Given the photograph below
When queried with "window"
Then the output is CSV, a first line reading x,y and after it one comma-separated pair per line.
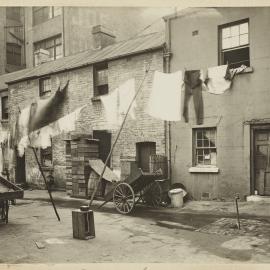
x,y
4,104
46,156
52,45
205,151
42,14
13,52
234,44
13,13
101,79
68,147
44,86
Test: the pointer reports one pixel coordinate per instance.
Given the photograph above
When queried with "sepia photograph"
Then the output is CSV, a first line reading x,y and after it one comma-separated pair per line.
x,y
134,135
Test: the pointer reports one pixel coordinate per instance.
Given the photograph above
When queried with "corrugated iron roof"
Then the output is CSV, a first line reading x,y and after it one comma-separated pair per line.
x,y
10,76
114,51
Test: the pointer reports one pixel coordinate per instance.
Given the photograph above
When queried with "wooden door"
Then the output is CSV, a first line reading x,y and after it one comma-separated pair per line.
x,y
262,161
105,139
143,152
20,175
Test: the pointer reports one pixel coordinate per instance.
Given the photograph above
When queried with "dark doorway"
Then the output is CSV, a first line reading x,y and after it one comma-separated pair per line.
x,y
143,152
20,175
105,139
261,161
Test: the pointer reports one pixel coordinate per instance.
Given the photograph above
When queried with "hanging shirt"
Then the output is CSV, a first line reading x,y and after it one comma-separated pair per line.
x,y
165,98
126,93
110,104
217,84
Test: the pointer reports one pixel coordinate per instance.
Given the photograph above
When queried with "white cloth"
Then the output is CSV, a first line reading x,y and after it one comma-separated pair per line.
x,y
41,138
217,84
110,104
126,93
165,99
23,122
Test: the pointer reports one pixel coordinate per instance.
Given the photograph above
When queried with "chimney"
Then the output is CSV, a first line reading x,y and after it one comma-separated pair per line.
x,y
41,56
102,37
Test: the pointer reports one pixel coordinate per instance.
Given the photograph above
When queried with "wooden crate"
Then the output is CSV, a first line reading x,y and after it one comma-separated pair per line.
x,y
83,224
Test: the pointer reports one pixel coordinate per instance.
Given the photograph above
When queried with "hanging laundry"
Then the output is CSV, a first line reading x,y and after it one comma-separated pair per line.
x,y
126,93
217,82
165,98
68,122
193,87
233,71
44,111
41,138
110,104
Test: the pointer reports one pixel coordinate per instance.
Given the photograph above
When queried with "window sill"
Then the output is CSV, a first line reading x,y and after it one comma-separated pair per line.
x,y
94,99
204,169
247,70
4,120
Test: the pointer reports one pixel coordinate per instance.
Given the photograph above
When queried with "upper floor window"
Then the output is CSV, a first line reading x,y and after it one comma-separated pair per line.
x,y
101,79
52,45
44,86
14,54
13,13
4,105
42,14
205,150
234,44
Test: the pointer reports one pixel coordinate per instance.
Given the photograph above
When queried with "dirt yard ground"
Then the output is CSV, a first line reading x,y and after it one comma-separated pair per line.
x,y
201,232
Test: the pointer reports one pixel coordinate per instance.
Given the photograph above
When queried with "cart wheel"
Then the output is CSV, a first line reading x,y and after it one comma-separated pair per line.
x,y
4,211
152,194
124,198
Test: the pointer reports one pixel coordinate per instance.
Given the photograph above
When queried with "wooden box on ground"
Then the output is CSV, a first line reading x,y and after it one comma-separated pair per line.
x,y
83,224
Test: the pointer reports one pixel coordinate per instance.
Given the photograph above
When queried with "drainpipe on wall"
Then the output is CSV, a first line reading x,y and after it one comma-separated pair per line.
x,y
167,56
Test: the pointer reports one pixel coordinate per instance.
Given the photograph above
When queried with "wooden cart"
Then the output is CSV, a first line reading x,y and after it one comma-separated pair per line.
x,y
8,192
139,186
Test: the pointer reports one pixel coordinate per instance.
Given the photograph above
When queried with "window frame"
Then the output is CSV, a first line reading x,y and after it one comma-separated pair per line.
x,y
41,86
3,113
39,45
195,147
51,13
221,51
14,56
98,87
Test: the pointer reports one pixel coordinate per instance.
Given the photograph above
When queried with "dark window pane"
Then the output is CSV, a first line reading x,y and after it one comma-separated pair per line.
x,y
236,58
4,107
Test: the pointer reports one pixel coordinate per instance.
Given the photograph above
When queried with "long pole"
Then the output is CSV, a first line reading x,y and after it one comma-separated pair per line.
x,y
118,135
45,181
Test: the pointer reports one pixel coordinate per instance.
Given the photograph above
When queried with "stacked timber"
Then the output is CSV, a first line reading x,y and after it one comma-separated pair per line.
x,y
82,150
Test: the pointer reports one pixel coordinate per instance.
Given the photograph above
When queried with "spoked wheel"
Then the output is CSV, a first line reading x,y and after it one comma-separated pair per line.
x,y
152,194
124,198
4,207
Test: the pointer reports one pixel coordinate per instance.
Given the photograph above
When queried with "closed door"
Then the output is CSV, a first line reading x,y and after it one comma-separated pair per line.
x,y
20,175
143,152
262,161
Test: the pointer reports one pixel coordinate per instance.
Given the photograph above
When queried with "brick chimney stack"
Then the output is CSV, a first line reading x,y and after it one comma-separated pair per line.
x,y
102,37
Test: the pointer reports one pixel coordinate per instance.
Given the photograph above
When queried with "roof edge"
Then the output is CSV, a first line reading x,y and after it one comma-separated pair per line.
x,y
87,64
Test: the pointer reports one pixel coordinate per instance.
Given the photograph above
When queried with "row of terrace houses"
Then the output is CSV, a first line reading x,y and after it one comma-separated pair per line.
x,y
226,153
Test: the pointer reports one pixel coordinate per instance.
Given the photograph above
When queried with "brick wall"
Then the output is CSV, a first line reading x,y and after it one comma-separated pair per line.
x,y
80,92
